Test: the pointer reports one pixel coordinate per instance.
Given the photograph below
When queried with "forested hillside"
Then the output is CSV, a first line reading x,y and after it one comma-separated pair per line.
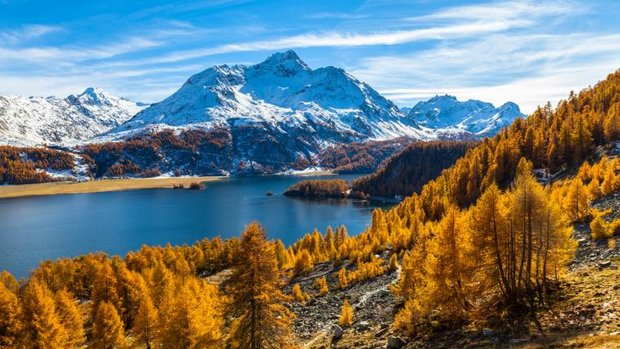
x,y
407,171
485,244
189,152
319,188
360,157
25,165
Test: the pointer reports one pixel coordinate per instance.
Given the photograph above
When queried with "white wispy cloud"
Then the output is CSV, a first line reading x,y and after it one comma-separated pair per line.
x,y
74,53
337,15
339,39
505,10
26,32
455,23
529,69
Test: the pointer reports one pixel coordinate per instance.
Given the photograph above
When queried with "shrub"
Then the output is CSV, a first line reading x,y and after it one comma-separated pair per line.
x,y
303,263
342,278
196,186
346,314
300,295
321,285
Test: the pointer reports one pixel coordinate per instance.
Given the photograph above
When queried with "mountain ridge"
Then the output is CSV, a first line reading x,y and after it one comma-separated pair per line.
x,y
281,96
284,92
31,121
447,115
270,117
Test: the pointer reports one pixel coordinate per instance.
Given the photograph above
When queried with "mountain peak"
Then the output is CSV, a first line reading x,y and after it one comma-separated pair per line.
x,y
510,105
447,114
96,94
284,56
443,97
285,63
54,120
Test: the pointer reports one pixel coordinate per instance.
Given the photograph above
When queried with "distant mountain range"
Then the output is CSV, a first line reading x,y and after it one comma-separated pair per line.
x,y
276,112
450,118
29,121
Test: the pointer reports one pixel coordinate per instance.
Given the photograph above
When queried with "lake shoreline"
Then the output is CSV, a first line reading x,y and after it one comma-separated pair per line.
x,y
121,184
100,186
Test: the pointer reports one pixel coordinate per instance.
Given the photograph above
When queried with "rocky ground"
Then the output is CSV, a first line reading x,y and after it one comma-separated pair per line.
x,y
586,314
593,252
372,301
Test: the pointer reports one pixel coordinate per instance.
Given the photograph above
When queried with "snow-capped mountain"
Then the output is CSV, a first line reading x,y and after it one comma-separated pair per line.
x,y
270,117
29,121
448,117
283,96
279,114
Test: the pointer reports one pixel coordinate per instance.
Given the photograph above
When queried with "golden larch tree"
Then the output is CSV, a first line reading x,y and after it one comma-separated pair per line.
x,y
343,280
145,327
11,321
321,285
299,294
261,319
105,288
346,314
44,327
197,319
71,318
108,331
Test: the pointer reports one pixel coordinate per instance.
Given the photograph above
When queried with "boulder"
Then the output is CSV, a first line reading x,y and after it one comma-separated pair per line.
x,y
337,333
362,326
395,342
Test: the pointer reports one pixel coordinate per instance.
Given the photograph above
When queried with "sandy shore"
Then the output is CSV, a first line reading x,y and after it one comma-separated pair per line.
x,y
12,191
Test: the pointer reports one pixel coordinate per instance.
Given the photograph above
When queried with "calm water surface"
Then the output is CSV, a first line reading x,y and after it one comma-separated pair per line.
x,y
33,229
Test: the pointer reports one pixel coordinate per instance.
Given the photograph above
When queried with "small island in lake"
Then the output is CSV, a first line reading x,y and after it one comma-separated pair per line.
x,y
322,189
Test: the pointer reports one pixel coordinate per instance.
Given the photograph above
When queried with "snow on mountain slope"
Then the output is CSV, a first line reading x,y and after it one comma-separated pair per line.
x,y
447,116
283,96
29,121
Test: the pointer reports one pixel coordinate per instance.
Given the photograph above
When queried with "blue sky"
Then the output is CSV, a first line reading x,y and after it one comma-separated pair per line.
x,y
525,51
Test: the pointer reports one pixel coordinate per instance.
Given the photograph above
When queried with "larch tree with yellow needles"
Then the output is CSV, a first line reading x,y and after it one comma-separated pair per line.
x,y
11,321
44,326
257,304
145,327
321,285
300,295
108,330
343,280
71,318
346,314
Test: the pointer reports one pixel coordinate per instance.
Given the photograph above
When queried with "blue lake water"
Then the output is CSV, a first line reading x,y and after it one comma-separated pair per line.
x,y
33,229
